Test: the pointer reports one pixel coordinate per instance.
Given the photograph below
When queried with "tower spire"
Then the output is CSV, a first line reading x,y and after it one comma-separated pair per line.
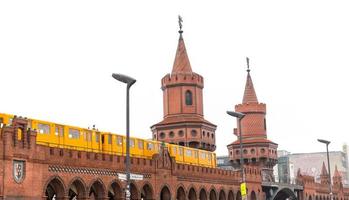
x,y
323,170
249,93
181,63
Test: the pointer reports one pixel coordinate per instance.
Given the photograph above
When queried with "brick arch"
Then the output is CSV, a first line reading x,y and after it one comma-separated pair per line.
x,y
238,195
79,187
222,195
97,189
203,194
253,195
135,193
147,191
213,193
230,195
180,192
54,186
115,190
192,194
165,192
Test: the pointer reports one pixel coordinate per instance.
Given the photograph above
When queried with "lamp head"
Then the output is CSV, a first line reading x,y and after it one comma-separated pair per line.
x,y
125,79
324,141
236,114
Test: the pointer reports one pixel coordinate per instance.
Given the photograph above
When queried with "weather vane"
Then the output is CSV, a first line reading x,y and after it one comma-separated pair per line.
x,y
248,64
180,20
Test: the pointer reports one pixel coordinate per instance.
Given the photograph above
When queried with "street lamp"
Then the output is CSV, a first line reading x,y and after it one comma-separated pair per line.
x,y
129,81
328,163
239,116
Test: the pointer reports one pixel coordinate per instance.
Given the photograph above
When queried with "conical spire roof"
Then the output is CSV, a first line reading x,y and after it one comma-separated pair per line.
x,y
249,94
181,63
336,172
323,170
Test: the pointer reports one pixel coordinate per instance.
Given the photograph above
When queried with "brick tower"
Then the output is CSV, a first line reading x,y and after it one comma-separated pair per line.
x,y
257,149
183,121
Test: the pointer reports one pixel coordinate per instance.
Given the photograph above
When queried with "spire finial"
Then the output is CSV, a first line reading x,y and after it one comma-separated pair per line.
x,y
180,21
248,64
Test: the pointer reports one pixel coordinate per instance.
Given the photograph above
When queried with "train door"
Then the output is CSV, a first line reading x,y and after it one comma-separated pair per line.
x,y
59,134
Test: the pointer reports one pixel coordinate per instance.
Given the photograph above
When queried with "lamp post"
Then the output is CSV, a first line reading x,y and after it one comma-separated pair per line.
x,y
129,81
328,163
239,116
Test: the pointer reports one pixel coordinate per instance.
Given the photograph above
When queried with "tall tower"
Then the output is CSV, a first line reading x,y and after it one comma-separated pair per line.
x,y
183,121
257,149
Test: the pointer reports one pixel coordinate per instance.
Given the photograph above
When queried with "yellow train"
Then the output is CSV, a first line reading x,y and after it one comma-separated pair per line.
x,y
71,137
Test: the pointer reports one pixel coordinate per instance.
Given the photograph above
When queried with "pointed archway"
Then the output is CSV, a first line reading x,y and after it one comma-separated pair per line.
x,y
115,191
147,192
134,191
97,190
55,189
77,190
222,195
180,193
213,195
230,195
253,196
203,194
165,193
192,194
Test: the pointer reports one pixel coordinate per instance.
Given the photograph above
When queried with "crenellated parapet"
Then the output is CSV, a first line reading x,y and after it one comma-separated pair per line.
x,y
251,107
188,79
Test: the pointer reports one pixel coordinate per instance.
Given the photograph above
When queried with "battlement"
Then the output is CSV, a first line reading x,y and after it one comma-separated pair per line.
x,y
251,107
182,78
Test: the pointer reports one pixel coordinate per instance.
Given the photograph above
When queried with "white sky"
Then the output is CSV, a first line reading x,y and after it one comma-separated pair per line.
x,y
57,57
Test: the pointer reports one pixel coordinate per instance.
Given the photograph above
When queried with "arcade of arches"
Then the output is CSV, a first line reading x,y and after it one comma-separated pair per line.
x,y
77,189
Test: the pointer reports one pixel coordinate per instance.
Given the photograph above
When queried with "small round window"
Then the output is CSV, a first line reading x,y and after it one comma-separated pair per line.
x,y
193,133
262,150
180,133
245,151
162,135
171,134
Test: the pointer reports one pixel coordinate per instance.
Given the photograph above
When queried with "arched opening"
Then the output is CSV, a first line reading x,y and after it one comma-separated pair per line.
x,y
310,197
188,98
192,194
134,191
19,134
147,192
180,194
115,191
213,195
77,190
253,196
230,195
222,195
165,194
203,195
54,190
194,144
238,195
97,190
285,193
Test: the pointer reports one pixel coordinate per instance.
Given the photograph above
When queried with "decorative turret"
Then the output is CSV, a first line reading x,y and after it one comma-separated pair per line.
x,y
257,149
184,122
337,178
324,175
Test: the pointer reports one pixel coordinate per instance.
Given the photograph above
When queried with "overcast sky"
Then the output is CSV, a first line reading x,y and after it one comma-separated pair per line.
x,y
57,57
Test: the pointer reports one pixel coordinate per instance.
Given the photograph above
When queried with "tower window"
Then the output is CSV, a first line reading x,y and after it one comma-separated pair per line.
x,y
193,133
181,133
171,134
265,124
162,135
188,98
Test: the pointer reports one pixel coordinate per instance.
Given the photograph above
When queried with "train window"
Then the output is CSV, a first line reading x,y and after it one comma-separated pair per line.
x,y
59,131
10,121
209,157
88,136
44,128
97,137
109,139
74,133
174,149
188,153
203,155
1,120
180,151
140,144
150,146
132,143
119,140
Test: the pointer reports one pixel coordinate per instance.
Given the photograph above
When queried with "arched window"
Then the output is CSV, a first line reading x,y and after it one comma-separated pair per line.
x,y
188,98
